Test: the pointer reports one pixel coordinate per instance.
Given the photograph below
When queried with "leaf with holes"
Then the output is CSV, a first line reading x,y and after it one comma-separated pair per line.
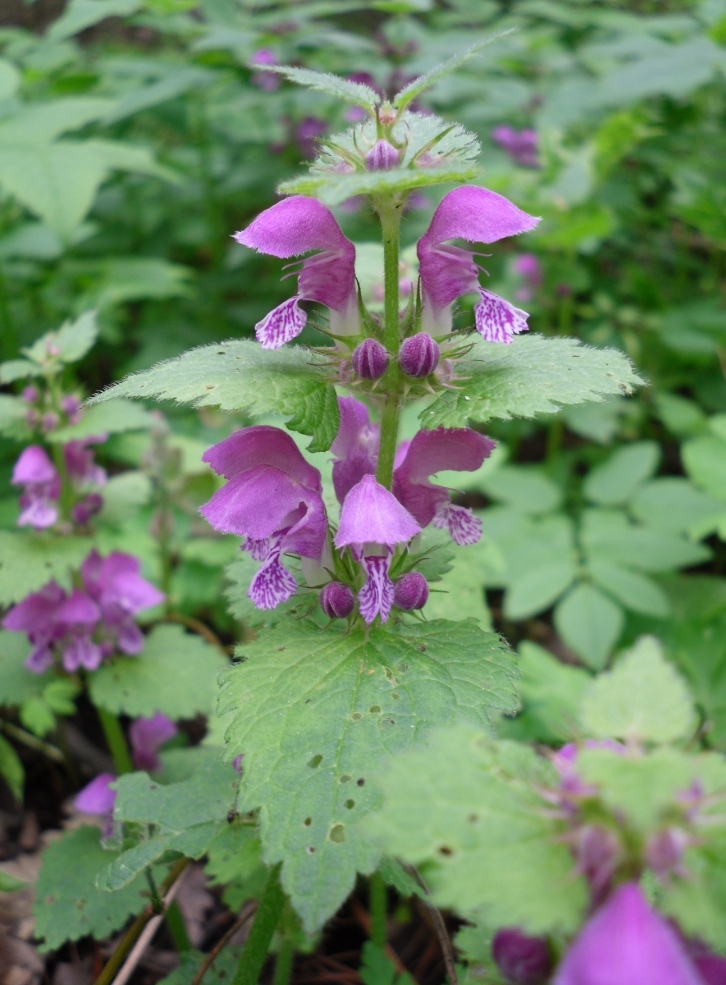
x,y
241,375
531,376
480,831
315,716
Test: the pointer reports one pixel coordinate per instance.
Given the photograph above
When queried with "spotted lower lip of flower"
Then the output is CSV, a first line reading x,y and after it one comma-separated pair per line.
x,y
288,229
372,524
448,272
272,499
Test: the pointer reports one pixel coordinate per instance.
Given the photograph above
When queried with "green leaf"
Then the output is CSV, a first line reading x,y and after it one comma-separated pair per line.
x,y
334,85
642,698
414,89
533,375
642,788
705,462
18,369
39,123
550,692
610,536
9,79
9,884
480,831
113,417
674,504
30,560
81,14
336,188
175,673
459,594
315,715
68,905
17,683
11,769
222,972
69,344
123,495
184,817
590,623
524,489
617,479
539,588
241,375
233,861
634,591
58,181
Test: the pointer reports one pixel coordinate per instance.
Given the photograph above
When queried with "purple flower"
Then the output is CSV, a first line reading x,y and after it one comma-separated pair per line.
x,y
147,735
443,449
53,620
522,960
627,943
269,81
81,464
370,360
273,500
116,585
411,591
382,157
294,226
372,524
528,267
97,797
458,449
419,356
307,133
41,488
448,272
521,145
336,600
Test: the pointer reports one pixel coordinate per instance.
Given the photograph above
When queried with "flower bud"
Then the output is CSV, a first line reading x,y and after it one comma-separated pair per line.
x,y
370,360
522,960
382,156
598,852
336,600
411,592
71,406
49,422
419,356
30,394
88,507
664,852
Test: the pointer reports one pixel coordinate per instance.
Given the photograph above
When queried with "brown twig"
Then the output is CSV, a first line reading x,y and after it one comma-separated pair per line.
x,y
440,927
247,911
136,929
198,627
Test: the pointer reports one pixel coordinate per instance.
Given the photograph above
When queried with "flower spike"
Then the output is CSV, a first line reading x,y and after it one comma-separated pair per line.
x,y
290,228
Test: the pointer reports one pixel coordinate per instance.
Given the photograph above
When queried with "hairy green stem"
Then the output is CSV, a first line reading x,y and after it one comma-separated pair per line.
x,y
268,914
390,222
378,906
115,741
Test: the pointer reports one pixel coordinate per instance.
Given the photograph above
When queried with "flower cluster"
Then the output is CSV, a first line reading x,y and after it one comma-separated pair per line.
x,y
299,225
273,499
82,627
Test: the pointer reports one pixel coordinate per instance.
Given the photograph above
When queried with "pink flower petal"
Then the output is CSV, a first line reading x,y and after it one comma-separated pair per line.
x,y
261,445
477,215
292,227
372,514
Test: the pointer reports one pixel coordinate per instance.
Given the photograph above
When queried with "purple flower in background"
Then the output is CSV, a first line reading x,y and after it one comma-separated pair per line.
x,y
269,81
272,499
521,145
147,735
116,586
448,272
97,797
41,488
53,620
528,267
81,464
522,960
307,133
626,943
440,450
299,225
372,524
